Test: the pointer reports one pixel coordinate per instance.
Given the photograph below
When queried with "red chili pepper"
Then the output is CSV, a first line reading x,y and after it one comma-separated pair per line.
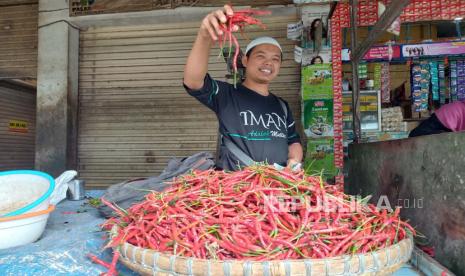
x,y
246,215
96,260
241,19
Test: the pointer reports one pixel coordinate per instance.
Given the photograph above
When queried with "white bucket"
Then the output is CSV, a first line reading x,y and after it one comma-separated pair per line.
x,y
23,229
24,191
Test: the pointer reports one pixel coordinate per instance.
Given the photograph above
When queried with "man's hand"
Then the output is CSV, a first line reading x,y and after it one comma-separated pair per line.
x,y
295,156
211,24
294,165
197,62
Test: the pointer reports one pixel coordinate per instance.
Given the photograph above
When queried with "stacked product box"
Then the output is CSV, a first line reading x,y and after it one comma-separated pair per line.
x,y
318,119
336,48
460,80
392,120
362,71
434,80
421,78
377,75
453,80
442,83
319,158
437,82
367,12
385,83
317,82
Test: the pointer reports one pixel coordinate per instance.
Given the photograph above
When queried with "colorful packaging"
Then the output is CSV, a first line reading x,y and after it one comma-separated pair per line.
x,y
385,83
442,83
319,158
434,80
363,71
453,80
317,82
318,118
460,80
421,78
377,76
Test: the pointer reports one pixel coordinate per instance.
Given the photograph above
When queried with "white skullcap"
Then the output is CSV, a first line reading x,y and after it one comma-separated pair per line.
x,y
262,40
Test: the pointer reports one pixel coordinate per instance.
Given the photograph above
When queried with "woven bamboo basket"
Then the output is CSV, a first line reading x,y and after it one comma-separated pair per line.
x,y
382,262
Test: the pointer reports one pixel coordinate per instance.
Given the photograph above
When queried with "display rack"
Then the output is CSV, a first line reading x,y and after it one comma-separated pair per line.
x,y
365,13
370,110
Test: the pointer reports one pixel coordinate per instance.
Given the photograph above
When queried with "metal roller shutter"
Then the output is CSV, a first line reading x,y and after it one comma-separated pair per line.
x,y
18,36
17,105
134,114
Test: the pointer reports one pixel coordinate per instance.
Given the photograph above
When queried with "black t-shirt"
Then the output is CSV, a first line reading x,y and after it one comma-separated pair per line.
x,y
256,124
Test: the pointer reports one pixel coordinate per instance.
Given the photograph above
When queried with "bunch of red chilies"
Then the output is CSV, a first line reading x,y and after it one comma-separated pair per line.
x,y
258,214
241,19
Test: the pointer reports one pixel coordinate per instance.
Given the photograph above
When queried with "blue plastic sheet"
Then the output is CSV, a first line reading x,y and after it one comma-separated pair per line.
x,y
72,232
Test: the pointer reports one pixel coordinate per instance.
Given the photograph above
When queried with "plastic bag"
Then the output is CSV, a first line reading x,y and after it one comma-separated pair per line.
x,y
61,186
129,192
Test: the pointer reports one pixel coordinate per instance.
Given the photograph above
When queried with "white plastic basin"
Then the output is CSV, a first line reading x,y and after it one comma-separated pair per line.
x,y
24,228
24,191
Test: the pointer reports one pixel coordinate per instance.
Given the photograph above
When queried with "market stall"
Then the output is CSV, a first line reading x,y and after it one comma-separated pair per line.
x,y
382,87
214,222
432,75
421,83
400,170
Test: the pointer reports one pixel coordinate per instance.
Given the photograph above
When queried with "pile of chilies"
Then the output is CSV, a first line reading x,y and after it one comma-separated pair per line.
x,y
258,214
241,19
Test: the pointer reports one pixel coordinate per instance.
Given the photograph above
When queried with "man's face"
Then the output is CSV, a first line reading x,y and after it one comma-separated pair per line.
x,y
263,63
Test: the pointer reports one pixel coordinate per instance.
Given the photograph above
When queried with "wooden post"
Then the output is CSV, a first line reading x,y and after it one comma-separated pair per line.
x,y
390,14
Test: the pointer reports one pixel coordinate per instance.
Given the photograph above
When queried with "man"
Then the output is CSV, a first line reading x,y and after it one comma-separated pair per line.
x,y
253,122
448,118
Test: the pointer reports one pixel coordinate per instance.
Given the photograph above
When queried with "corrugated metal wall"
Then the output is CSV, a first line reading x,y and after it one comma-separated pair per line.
x,y
16,148
220,3
134,114
79,7
18,36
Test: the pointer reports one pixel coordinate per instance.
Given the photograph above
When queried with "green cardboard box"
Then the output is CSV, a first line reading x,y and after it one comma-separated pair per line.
x,y
317,82
319,158
318,118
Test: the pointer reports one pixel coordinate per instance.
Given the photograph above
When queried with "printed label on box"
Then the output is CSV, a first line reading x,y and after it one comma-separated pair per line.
x,y
318,118
319,158
317,82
